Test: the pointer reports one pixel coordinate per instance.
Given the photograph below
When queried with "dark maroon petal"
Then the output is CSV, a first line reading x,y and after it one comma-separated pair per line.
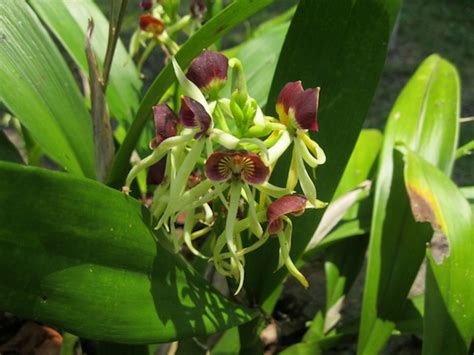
x,y
198,8
151,24
165,120
305,109
254,171
294,204
208,69
165,124
287,96
156,173
146,4
222,165
218,166
193,114
156,141
276,226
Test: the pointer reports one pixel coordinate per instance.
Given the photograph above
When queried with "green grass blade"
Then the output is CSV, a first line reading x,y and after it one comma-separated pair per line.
x,y
425,119
214,29
68,21
81,256
449,306
38,88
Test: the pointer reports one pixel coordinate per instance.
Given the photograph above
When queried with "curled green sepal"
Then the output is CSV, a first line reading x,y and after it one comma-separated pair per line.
x,y
284,238
155,157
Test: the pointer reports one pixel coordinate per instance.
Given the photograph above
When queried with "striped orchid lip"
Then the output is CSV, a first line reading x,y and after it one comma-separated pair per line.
x,y
294,104
165,124
294,204
151,24
193,115
209,71
247,166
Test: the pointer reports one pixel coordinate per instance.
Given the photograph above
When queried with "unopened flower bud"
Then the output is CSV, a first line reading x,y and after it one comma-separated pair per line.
x,y
198,8
209,72
146,4
151,24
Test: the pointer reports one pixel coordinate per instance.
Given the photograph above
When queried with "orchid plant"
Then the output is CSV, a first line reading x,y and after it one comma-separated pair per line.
x,y
220,152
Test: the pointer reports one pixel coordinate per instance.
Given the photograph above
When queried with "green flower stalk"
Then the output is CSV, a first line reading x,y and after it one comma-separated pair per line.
x,y
233,147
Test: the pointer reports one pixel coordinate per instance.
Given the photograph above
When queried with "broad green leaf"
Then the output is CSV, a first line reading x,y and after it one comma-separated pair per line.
x,y
67,19
8,152
228,344
449,305
323,48
425,119
214,29
38,88
80,256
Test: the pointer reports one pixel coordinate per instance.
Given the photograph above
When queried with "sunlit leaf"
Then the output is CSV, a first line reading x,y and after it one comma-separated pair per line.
x,y
80,256
449,305
67,19
38,88
425,119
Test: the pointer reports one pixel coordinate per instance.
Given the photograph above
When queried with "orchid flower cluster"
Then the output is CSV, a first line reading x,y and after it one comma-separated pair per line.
x,y
160,23
217,154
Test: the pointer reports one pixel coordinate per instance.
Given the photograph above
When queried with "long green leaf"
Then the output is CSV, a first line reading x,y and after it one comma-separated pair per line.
x,y
38,88
67,19
425,119
215,28
323,48
449,306
80,256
